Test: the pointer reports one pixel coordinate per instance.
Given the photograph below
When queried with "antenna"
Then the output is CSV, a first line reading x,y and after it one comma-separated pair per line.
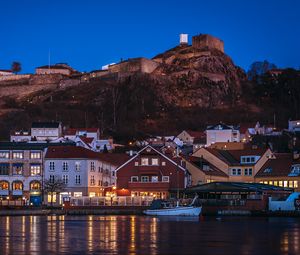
x,y
49,58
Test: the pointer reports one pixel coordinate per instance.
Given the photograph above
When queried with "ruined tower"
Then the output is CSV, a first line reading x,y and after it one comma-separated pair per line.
x,y
205,40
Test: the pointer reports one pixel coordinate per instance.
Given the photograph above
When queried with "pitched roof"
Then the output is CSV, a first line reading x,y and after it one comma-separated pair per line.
x,y
196,134
198,162
280,165
77,152
87,140
233,157
73,131
45,124
220,126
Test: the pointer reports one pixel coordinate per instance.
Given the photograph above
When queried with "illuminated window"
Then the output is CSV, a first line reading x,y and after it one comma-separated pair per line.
x,y
35,185
155,161
35,169
163,163
276,183
18,168
18,155
4,154
4,185
35,155
144,161
136,163
17,185
291,184
280,183
270,182
285,184
77,194
52,197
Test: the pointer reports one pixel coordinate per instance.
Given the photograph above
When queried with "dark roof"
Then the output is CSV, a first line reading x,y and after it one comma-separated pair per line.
x,y
30,146
2,70
220,126
199,162
56,66
280,165
196,134
45,125
233,157
235,187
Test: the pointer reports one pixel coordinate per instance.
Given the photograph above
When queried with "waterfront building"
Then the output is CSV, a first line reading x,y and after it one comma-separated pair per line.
x,y
84,172
152,173
21,171
46,131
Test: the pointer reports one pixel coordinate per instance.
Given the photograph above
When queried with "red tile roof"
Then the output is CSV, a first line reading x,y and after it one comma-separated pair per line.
x,y
278,166
196,133
77,152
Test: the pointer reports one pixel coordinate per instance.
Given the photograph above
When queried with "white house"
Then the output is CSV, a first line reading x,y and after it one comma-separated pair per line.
x,y
85,172
6,72
42,131
221,133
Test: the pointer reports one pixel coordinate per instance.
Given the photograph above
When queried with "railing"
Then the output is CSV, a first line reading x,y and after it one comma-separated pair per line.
x,y
111,201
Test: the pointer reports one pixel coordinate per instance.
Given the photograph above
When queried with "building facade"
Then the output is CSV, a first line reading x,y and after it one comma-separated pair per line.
x,y
21,172
221,133
151,173
42,131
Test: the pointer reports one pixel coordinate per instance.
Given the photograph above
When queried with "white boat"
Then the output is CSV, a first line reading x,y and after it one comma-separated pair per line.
x,y
162,208
175,211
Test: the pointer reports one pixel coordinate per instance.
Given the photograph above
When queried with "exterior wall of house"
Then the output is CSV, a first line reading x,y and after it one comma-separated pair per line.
x,y
186,138
162,178
42,134
227,135
23,167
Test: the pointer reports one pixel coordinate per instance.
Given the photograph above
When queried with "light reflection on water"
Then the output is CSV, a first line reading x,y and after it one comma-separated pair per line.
x,y
147,235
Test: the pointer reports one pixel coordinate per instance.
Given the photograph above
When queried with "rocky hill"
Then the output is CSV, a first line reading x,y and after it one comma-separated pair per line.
x,y
186,87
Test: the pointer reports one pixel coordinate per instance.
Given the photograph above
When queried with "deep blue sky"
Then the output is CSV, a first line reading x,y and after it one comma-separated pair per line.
x,y
88,34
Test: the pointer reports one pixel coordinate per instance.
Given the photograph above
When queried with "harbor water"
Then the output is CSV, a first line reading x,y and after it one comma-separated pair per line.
x,y
148,235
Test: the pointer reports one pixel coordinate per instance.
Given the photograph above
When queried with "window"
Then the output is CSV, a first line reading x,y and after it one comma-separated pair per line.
x,y
77,179
4,185
4,154
248,171
65,166
35,169
92,166
136,163
77,194
280,183
92,180
291,184
285,184
144,161
275,183
18,155
35,155
51,178
134,178
35,185
51,166
236,171
154,179
4,169
77,166
233,171
112,173
163,163
52,197
155,161
295,184
145,179
65,179
17,185
18,168
165,179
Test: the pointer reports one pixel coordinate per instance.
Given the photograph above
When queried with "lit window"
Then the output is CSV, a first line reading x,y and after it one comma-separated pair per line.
x,y
295,184
280,183
35,170
18,169
18,155
285,184
35,155
4,154
155,161
270,182
275,183
52,197
144,161
163,163
136,163
291,184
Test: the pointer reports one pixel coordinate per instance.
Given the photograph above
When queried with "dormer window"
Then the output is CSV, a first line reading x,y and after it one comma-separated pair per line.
x,y
248,159
268,170
295,170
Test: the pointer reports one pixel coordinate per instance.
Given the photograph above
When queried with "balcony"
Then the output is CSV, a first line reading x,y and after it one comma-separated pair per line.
x,y
149,185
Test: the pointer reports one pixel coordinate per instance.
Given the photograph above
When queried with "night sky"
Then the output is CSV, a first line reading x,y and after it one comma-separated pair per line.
x,y
89,34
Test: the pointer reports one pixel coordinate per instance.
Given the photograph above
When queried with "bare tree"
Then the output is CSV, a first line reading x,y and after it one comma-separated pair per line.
x,y
16,67
52,186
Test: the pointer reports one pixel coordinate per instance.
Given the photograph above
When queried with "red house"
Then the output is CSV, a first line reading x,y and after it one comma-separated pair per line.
x,y
151,173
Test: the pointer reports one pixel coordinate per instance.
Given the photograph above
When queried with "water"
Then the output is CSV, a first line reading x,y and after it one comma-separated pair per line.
x,y
143,235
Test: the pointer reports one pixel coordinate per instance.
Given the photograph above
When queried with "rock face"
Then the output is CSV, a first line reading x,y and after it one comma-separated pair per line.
x,y
200,76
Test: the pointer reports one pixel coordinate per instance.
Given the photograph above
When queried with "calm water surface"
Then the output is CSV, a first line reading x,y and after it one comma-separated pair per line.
x,y
148,235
